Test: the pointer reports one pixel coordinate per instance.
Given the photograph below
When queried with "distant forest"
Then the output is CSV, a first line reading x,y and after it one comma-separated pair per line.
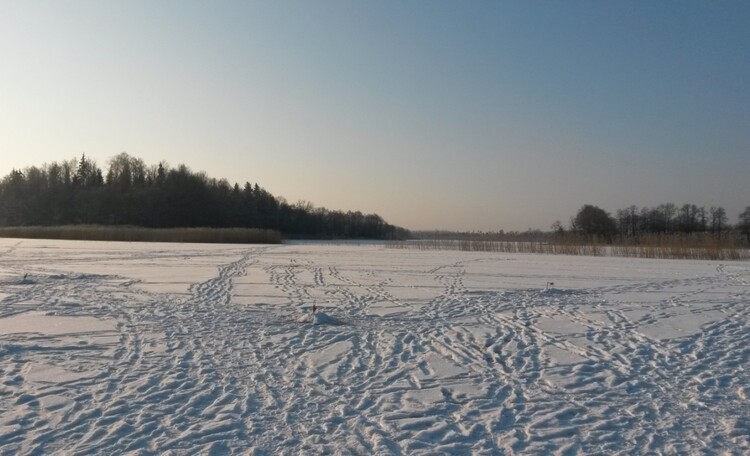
x,y
132,193
632,224
664,219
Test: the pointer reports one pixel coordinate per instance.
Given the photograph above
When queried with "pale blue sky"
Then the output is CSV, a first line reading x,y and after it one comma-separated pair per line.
x,y
434,114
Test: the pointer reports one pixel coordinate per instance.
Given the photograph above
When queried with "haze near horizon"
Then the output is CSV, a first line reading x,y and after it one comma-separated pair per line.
x,y
465,116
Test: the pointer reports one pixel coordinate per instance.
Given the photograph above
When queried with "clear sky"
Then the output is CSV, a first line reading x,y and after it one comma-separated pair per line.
x,y
476,115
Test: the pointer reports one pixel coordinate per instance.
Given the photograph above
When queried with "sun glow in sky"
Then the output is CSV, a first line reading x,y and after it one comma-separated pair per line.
x,y
433,114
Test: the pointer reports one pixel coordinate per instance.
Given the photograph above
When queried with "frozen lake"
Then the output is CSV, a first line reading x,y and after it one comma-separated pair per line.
x,y
175,348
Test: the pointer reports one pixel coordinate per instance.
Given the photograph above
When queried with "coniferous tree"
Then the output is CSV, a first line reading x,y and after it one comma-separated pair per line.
x,y
76,191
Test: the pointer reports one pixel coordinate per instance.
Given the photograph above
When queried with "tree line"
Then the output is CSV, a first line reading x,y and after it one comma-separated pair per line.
x,y
130,192
666,219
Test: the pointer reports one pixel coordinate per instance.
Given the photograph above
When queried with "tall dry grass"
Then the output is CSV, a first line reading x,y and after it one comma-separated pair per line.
x,y
683,246
499,246
651,246
140,234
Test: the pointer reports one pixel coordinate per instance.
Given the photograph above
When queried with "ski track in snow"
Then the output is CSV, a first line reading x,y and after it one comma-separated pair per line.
x,y
438,352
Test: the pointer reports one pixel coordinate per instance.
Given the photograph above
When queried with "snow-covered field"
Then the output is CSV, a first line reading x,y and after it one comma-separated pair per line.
x,y
108,348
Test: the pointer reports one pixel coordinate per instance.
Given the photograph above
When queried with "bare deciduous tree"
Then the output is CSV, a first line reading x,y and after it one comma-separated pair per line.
x,y
718,220
744,224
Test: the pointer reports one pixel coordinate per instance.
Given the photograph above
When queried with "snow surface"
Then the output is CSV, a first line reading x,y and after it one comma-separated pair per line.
x,y
109,348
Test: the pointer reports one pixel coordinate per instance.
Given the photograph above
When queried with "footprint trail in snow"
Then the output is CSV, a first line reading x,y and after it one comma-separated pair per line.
x,y
155,348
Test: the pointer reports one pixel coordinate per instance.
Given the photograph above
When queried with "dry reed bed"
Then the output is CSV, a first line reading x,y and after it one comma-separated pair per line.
x,y
666,251
139,234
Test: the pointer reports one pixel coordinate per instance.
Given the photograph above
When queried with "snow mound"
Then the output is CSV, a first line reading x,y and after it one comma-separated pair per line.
x,y
322,318
558,292
551,291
